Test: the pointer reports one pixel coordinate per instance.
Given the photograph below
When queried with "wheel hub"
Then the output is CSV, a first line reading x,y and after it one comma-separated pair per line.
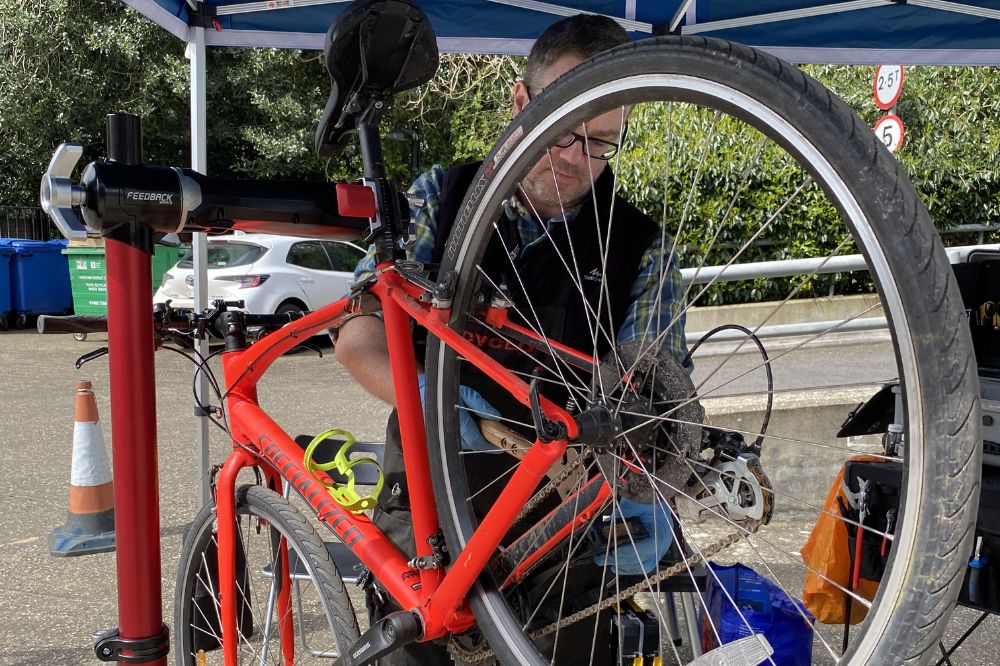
x,y
659,424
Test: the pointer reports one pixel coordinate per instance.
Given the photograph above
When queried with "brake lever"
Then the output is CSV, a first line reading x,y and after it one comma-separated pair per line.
x,y
86,358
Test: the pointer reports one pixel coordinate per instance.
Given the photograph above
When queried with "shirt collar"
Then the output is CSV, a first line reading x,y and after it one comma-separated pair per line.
x,y
517,210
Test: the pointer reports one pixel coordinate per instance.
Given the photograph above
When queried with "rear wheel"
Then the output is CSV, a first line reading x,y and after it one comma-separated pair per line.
x,y
727,148
319,624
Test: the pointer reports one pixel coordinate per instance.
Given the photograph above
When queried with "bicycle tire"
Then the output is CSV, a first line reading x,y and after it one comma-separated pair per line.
x,y
884,217
322,609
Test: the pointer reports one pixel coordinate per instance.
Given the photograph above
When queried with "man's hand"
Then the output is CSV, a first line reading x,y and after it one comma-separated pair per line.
x,y
636,556
470,403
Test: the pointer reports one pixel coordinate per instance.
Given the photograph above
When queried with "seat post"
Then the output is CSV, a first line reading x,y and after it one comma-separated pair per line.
x,y
390,213
371,148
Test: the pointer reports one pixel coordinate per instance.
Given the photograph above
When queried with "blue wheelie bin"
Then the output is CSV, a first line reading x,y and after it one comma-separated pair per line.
x,y
39,280
6,252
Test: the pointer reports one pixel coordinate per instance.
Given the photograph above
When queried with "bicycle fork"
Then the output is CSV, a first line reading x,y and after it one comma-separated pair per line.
x,y
225,506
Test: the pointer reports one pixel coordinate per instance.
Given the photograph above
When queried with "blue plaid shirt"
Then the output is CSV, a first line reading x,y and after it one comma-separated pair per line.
x,y
654,304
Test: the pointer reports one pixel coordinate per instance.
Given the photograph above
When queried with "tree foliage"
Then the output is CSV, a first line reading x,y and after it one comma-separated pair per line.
x,y
951,150
65,64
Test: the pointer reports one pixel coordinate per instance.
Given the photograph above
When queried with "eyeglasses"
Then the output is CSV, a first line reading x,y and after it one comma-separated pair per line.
x,y
597,149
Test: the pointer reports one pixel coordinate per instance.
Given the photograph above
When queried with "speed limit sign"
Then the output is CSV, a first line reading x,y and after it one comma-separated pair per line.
x,y
889,129
888,85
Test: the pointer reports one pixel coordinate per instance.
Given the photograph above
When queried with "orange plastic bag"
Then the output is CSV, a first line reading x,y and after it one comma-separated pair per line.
x,y
828,558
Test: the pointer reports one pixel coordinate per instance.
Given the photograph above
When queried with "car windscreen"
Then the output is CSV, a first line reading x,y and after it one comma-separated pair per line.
x,y
226,255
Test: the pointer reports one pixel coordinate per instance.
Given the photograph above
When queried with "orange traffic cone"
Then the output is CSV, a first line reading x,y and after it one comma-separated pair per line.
x,y
90,522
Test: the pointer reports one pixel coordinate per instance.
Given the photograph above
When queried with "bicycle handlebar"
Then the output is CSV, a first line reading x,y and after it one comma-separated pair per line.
x,y
165,318
73,324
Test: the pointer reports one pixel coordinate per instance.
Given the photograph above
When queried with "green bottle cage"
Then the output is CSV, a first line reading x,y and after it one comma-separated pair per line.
x,y
343,494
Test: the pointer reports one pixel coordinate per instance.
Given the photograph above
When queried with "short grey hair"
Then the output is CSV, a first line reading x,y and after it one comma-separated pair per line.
x,y
583,35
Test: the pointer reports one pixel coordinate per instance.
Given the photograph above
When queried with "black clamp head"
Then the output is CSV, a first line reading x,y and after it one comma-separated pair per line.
x,y
110,646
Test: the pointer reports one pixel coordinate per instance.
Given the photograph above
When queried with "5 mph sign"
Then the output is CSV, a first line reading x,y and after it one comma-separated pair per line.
x,y
890,130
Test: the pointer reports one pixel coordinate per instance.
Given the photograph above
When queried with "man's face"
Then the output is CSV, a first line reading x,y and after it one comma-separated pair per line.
x,y
563,177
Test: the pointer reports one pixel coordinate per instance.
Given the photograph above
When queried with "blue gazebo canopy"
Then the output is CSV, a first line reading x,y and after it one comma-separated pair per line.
x,y
844,31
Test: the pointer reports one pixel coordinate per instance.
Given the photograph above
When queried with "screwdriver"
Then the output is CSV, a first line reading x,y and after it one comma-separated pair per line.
x,y
976,566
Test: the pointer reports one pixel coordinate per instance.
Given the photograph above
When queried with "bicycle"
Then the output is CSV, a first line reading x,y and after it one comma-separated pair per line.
x,y
586,423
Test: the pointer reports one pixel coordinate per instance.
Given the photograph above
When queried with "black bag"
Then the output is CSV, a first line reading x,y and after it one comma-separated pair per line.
x,y
882,507
986,593
979,282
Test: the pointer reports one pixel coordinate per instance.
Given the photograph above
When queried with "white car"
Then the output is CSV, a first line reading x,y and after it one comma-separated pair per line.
x,y
270,274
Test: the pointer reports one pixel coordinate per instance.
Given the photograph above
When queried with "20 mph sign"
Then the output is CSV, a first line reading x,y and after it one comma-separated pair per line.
x,y
888,85
890,130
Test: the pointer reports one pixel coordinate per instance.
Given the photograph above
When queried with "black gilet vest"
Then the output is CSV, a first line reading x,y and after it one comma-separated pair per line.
x,y
544,281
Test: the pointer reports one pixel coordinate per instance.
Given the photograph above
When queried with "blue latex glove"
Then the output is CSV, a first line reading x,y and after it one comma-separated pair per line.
x,y
470,399
640,557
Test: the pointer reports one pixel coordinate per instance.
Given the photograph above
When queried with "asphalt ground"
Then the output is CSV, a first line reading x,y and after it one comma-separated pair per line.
x,y
49,606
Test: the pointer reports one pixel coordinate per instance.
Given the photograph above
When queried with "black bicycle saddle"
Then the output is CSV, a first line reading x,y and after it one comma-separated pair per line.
x,y
374,49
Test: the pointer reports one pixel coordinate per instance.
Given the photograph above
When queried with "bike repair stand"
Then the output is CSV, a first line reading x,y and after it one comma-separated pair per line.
x,y
141,636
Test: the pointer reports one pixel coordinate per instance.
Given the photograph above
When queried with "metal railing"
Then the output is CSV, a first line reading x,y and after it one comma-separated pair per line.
x,y
32,223
792,267
26,222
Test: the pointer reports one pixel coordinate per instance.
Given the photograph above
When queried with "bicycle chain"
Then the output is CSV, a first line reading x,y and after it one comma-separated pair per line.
x,y
697,558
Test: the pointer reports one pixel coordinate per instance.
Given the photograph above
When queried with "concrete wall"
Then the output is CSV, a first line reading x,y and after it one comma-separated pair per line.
x,y
803,455
835,308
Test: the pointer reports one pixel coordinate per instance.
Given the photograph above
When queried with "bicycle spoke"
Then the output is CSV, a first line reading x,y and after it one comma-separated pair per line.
x,y
536,327
596,328
745,532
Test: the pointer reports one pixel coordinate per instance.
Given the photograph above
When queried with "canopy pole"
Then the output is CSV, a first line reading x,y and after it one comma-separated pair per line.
x,y
196,53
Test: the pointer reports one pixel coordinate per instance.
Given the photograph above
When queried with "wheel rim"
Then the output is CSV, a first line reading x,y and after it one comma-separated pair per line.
x,y
261,640
730,105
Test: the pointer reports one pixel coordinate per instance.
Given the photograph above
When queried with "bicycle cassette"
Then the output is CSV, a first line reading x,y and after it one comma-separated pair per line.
x,y
660,419
736,489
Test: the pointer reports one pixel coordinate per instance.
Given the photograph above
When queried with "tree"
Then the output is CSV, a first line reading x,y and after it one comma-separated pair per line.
x,y
67,63
951,150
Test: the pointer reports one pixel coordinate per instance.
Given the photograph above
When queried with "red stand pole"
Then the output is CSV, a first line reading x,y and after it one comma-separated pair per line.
x,y
128,256
133,431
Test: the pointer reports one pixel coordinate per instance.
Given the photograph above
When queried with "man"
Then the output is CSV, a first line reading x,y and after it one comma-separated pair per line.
x,y
553,197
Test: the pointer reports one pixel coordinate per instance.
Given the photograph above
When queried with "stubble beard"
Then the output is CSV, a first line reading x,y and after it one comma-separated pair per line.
x,y
545,198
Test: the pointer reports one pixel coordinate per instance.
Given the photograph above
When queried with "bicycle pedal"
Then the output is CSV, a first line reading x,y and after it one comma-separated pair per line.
x,y
387,635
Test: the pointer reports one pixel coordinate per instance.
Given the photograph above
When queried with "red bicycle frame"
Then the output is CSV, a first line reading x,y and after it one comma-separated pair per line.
x,y
258,440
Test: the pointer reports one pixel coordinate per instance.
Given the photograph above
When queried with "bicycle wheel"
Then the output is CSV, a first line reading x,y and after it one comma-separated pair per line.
x,y
322,624
727,149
